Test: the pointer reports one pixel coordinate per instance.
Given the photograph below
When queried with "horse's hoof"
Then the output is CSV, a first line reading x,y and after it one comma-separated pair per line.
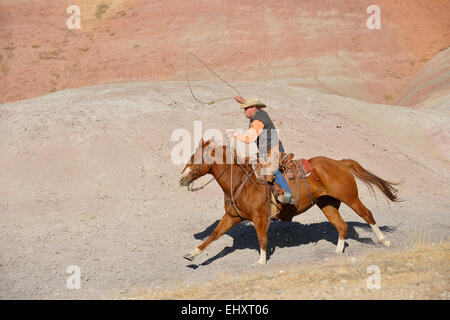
x,y
387,243
340,246
189,256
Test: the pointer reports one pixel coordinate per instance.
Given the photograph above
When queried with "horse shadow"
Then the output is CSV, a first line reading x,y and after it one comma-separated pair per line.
x,y
285,234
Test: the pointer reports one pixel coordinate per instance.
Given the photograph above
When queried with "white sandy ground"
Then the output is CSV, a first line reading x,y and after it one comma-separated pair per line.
x,y
86,179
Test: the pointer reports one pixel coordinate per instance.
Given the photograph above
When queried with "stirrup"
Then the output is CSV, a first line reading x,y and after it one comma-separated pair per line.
x,y
286,198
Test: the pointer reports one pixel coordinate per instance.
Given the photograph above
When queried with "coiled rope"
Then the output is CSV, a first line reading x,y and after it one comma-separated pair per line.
x,y
214,73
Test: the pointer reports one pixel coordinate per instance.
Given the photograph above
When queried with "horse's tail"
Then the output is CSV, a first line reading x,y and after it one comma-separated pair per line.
x,y
370,180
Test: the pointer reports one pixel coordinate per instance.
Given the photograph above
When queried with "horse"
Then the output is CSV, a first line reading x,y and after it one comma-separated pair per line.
x,y
335,184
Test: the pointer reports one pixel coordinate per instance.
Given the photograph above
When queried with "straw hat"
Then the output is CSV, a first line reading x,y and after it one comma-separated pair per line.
x,y
250,102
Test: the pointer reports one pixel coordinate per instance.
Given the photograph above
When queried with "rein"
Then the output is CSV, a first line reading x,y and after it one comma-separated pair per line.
x,y
249,178
192,189
239,213
231,191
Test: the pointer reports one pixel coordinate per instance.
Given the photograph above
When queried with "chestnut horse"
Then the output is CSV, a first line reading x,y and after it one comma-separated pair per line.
x,y
336,184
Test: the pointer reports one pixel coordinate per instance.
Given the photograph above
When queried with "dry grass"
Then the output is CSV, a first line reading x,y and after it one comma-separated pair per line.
x,y
394,75
5,70
101,9
10,47
419,272
49,55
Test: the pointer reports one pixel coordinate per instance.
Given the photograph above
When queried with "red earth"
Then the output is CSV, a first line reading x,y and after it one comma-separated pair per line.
x,y
318,44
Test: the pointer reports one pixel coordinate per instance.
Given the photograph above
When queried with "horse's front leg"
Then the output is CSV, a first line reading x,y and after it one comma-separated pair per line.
x,y
261,225
224,225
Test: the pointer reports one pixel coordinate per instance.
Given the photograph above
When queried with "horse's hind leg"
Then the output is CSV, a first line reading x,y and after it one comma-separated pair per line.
x,y
329,207
224,225
366,214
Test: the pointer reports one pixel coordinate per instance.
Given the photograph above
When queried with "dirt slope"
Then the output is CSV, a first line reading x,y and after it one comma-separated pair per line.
x,y
87,179
430,87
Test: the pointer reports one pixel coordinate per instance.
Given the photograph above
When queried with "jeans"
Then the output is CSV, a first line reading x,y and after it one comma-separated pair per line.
x,y
279,178
281,181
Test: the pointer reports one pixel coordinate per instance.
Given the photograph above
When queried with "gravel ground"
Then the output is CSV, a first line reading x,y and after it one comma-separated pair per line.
x,y
420,272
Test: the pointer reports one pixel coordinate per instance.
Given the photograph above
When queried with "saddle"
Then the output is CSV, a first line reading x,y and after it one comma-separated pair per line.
x,y
260,177
300,168
289,167
292,170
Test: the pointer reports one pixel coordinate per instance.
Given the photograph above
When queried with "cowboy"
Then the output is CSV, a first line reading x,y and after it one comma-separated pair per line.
x,y
263,132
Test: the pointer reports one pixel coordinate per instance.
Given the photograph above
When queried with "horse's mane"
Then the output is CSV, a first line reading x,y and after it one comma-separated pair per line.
x,y
238,157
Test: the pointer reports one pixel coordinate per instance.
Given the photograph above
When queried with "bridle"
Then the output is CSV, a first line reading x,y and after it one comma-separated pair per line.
x,y
191,185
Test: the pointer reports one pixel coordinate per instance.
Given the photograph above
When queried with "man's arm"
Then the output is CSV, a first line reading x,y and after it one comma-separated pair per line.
x,y
252,134
239,99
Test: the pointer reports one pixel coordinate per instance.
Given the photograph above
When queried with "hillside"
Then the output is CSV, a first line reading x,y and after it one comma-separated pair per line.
x,y
318,44
88,180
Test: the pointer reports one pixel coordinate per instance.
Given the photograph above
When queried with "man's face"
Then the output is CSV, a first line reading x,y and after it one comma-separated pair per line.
x,y
250,112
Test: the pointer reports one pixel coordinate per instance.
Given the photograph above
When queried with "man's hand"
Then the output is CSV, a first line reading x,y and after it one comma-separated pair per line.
x,y
230,133
239,99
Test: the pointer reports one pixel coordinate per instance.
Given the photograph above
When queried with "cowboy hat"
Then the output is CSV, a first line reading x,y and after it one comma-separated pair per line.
x,y
251,102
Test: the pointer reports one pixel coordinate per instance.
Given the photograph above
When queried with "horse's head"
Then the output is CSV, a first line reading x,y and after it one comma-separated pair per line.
x,y
199,164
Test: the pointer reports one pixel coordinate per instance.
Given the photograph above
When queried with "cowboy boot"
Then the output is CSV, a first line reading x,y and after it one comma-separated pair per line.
x,y
287,198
